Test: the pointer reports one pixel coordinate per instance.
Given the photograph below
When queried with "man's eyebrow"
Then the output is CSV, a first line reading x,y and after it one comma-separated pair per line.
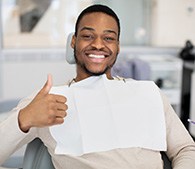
x,y
92,29
87,28
110,31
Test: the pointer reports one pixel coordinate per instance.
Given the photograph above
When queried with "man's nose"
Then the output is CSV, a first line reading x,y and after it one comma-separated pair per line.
x,y
98,43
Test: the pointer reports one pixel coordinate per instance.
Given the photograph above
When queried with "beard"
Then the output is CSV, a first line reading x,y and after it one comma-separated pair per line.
x,y
88,71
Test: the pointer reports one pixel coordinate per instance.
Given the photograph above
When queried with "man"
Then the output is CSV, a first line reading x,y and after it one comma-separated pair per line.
x,y
96,45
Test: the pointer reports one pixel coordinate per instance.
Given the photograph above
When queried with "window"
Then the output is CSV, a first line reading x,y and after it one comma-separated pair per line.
x,y
38,23
46,23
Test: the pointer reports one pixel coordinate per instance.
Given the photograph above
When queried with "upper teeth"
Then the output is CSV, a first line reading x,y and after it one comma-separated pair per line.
x,y
96,56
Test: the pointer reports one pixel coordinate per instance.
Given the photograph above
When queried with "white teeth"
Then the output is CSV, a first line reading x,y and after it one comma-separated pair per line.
x,y
96,56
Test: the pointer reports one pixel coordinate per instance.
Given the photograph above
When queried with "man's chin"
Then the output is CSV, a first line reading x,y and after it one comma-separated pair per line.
x,y
98,74
95,73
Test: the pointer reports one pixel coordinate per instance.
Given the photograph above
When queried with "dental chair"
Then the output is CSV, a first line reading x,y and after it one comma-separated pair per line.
x,y
37,157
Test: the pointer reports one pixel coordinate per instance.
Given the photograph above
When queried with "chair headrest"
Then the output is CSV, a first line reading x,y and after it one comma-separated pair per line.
x,y
69,50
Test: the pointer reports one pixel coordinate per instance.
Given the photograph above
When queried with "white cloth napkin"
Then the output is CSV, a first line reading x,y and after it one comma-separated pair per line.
x,y
107,114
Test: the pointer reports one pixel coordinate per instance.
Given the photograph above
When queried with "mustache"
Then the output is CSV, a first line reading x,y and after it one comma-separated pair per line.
x,y
106,51
94,49
90,48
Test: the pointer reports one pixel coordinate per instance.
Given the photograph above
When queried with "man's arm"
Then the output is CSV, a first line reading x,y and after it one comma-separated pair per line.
x,y
34,112
12,138
44,110
180,145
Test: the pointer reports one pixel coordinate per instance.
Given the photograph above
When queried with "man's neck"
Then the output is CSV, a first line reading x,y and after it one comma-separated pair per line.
x,y
82,77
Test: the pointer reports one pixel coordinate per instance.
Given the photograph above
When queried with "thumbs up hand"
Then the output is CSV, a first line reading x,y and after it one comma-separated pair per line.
x,y
44,110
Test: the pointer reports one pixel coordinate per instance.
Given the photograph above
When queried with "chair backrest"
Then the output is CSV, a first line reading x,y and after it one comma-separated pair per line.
x,y
37,157
69,50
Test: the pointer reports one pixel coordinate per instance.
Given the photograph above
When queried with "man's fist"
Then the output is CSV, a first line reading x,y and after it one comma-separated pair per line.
x,y
44,110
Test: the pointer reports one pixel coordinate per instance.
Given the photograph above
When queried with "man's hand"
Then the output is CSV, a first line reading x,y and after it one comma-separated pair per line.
x,y
44,110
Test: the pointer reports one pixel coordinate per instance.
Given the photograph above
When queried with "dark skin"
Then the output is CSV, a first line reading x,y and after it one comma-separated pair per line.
x,y
96,47
97,35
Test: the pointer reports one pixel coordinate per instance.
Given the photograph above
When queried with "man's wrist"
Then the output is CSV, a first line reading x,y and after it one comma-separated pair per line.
x,y
23,122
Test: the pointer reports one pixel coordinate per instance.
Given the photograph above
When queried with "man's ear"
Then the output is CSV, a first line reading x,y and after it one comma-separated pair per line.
x,y
73,41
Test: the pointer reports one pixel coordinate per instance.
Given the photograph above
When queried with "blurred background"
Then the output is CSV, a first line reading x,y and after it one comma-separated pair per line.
x,y
157,38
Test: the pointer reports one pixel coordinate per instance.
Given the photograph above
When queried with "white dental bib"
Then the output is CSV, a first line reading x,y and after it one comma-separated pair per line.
x,y
107,114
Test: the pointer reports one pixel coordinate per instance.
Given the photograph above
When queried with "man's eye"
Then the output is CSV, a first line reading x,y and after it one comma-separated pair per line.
x,y
109,39
87,37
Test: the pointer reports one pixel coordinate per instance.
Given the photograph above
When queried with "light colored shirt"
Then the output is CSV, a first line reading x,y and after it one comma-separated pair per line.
x,y
180,146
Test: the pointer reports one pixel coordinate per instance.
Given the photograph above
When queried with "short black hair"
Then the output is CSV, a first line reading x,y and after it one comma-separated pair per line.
x,y
98,8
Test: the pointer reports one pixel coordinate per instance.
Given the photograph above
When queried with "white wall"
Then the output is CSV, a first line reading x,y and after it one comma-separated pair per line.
x,y
173,22
134,20
21,77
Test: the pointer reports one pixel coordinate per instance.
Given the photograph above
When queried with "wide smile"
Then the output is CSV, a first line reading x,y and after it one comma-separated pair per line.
x,y
96,58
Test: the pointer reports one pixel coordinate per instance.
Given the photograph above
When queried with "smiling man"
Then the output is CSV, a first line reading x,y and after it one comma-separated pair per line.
x,y
97,121
96,45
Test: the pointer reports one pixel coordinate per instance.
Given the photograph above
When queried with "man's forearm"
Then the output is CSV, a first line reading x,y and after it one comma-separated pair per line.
x,y
12,138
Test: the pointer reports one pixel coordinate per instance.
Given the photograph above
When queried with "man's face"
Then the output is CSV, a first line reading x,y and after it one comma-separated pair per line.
x,y
96,45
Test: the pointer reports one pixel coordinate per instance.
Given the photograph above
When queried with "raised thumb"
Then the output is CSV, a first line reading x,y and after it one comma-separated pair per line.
x,y
46,88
